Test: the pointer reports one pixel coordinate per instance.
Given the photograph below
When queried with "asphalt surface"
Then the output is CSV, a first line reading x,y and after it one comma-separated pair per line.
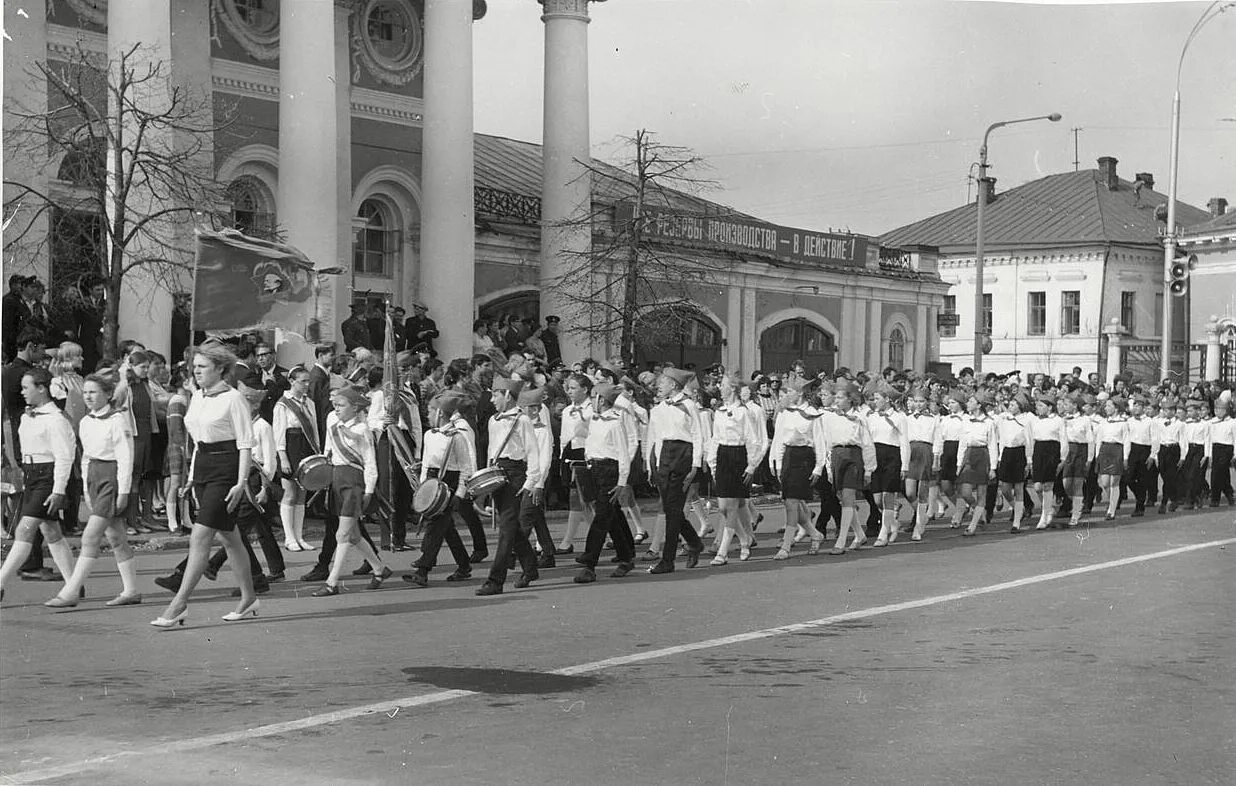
x,y
956,660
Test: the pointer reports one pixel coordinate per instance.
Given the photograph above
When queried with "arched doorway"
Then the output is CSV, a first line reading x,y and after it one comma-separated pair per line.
x,y
897,349
797,339
522,305
687,341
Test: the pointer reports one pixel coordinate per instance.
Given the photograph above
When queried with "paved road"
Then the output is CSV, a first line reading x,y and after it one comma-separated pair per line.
x,y
950,661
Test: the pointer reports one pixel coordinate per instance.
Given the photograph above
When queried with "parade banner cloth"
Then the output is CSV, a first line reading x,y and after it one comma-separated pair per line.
x,y
243,283
745,235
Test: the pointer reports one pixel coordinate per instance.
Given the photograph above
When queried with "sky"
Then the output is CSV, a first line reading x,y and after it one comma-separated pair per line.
x,y
867,115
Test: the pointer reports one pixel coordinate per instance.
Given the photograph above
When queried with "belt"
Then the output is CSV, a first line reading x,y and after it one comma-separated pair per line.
x,y
217,448
508,460
29,463
919,442
602,462
674,442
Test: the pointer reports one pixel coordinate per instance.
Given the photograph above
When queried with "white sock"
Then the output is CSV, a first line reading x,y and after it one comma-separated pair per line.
x,y
298,527
921,521
62,555
287,516
18,553
128,576
81,572
336,565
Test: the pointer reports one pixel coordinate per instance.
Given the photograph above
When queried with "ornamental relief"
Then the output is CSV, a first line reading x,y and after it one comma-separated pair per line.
x,y
254,24
388,38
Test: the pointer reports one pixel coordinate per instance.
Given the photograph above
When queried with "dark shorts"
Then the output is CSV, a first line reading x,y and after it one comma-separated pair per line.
x,y
1012,467
921,461
948,461
1043,465
796,467
887,475
1076,463
214,473
38,487
848,467
297,446
102,488
347,485
1110,460
731,466
975,467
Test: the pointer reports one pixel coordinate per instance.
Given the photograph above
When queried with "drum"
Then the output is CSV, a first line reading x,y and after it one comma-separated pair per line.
x,y
431,499
485,482
314,473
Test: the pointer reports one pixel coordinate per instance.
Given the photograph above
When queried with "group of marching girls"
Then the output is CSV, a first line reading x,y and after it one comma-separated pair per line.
x,y
958,449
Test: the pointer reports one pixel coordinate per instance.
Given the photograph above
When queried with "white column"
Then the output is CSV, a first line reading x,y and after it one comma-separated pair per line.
x,y
846,328
920,338
875,334
27,46
750,341
855,337
1214,331
448,233
146,292
314,199
733,328
566,195
1115,333
933,336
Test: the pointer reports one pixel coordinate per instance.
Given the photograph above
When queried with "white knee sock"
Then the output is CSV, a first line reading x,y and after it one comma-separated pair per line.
x,y
287,516
128,576
298,528
18,553
699,510
81,572
920,521
62,555
336,565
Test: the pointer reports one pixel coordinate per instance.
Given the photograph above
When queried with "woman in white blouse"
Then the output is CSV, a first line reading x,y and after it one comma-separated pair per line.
x,y
296,438
978,452
793,458
218,422
1013,435
1111,434
733,454
107,467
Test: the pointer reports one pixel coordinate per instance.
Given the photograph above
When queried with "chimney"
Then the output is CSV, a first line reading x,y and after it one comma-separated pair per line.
x,y
988,186
1218,206
1107,173
1147,180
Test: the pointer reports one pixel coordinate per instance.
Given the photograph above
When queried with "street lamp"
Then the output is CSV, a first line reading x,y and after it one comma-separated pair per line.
x,y
979,328
1169,239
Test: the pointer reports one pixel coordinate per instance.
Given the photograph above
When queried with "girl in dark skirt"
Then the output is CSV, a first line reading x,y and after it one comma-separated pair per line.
x,y
218,422
1013,435
850,459
926,448
978,452
950,432
892,444
1079,433
1112,438
296,437
733,455
1048,448
792,458
107,466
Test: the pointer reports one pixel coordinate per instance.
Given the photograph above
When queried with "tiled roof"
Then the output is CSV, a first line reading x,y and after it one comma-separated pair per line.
x,y
514,166
1064,209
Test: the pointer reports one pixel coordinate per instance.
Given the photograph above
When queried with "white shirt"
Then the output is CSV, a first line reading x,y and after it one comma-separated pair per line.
x,y
46,437
522,445
676,418
634,421
460,439
978,433
409,419
1169,431
607,439
925,427
105,437
284,419
733,425
1049,429
264,456
837,429
794,428
951,427
1142,432
219,416
354,437
574,428
544,434
1222,432
1013,432
1113,430
889,428
759,421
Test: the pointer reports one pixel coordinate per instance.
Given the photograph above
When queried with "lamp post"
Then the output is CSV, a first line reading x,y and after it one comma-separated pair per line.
x,y
1169,239
979,328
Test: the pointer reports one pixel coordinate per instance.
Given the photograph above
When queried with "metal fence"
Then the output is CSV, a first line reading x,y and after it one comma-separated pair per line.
x,y
1188,361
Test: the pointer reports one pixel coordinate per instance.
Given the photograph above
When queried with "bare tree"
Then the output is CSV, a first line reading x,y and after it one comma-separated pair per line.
x,y
134,172
630,283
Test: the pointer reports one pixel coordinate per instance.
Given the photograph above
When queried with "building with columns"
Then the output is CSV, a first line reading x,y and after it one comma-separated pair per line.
x,y
353,138
1064,257
1212,288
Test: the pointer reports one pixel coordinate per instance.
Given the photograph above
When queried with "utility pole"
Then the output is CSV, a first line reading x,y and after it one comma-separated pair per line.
x,y
1076,157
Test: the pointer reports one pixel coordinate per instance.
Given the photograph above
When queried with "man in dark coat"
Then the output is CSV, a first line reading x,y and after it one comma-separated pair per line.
x,y
272,377
419,327
87,326
549,337
355,330
319,383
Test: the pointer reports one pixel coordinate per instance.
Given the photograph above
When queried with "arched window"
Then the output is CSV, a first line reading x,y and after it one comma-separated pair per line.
x,y
377,245
797,339
897,349
85,164
522,305
252,207
684,339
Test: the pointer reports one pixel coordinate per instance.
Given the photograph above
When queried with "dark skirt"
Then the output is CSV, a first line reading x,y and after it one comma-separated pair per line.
x,y
887,475
731,466
102,488
975,467
948,461
38,487
348,487
1110,459
1076,463
921,461
1046,459
848,467
796,467
1012,467
297,446
214,473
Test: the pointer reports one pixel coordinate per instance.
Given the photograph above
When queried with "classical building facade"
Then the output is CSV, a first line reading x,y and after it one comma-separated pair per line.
x,y
1212,289
1064,256
352,137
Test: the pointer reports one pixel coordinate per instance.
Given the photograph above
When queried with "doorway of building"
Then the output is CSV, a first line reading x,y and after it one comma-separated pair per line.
x,y
687,341
797,339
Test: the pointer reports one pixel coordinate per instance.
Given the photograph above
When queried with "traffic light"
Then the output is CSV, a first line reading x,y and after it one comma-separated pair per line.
x,y
1181,267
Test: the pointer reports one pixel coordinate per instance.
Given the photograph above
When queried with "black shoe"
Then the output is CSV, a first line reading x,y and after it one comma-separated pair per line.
x,y
1139,512
417,579
661,567
581,559
568,550
317,574
615,559
490,588
525,579
586,575
211,574
623,569
275,578
693,556
364,570
478,556
756,524
378,578
545,561
170,583
325,591
459,575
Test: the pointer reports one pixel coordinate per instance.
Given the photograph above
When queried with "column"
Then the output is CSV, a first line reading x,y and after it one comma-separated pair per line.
x,y
750,341
920,338
27,45
846,328
566,195
315,172
733,328
854,338
1214,331
448,234
875,332
933,335
145,307
1115,333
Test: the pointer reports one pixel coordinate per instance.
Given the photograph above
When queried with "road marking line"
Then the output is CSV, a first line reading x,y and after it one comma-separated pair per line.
x,y
439,697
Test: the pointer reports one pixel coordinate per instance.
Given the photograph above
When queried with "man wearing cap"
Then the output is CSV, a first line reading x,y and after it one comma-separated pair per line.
x,y
608,457
673,453
354,329
549,337
419,327
513,448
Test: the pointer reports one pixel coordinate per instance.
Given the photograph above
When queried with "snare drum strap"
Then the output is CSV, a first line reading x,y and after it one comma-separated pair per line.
x,y
307,424
506,439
